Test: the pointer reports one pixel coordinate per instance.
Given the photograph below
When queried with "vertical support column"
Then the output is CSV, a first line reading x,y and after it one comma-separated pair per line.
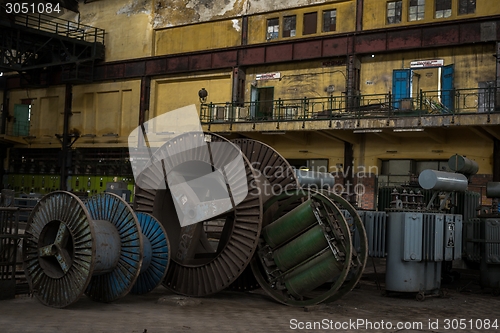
x,y
144,99
359,15
5,104
65,151
352,89
496,160
348,169
239,77
497,85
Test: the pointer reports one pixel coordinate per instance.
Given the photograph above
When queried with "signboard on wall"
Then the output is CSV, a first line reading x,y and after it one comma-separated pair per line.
x,y
427,63
268,76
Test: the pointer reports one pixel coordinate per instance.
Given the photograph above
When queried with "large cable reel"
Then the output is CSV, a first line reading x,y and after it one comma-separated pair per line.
x,y
201,265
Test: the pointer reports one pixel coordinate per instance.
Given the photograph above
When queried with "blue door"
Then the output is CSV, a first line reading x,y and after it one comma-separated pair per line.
x,y
447,89
401,85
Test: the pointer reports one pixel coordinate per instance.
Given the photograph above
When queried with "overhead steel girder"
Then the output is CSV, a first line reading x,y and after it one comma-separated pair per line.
x,y
24,49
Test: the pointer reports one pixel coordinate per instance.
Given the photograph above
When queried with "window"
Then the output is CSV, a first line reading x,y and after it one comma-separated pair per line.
x,y
416,10
273,28
466,7
329,20
443,8
394,10
310,23
289,26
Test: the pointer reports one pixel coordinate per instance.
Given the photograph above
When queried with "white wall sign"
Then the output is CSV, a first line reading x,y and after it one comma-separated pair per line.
x,y
427,63
268,76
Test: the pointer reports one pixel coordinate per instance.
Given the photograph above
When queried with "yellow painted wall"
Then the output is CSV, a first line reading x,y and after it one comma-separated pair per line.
x,y
346,21
128,26
419,146
298,80
197,37
375,12
106,108
175,92
46,111
473,64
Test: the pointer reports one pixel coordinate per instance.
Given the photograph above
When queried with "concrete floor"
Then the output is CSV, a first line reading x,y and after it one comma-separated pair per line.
x,y
161,311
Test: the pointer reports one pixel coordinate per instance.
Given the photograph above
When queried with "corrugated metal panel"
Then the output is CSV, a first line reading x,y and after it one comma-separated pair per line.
x,y
472,231
375,225
492,237
412,236
433,227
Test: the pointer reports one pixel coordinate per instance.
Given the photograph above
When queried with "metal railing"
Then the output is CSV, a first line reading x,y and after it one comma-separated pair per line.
x,y
61,27
438,102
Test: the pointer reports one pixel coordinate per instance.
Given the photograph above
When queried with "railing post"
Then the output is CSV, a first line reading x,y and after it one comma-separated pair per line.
x,y
421,97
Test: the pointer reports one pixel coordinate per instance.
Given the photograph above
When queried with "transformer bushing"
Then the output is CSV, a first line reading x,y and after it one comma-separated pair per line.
x,y
307,245
73,248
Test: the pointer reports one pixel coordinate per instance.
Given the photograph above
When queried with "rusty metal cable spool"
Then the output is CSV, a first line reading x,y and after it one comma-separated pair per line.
x,y
280,176
201,264
304,255
72,248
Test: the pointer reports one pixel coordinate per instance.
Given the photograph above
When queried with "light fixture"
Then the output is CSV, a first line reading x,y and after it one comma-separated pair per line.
x,y
367,131
273,132
408,130
391,151
88,136
437,150
203,94
303,151
111,134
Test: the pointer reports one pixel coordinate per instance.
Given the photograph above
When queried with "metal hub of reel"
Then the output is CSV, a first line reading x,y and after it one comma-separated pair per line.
x,y
203,262
72,248
303,249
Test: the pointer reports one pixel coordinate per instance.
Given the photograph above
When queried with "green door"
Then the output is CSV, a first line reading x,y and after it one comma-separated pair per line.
x,y
22,119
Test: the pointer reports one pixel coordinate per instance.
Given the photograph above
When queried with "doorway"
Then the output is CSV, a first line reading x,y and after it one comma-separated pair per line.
x,y
262,102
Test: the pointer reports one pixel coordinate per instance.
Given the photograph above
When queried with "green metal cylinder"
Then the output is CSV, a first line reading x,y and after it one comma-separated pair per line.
x,y
313,274
300,249
289,225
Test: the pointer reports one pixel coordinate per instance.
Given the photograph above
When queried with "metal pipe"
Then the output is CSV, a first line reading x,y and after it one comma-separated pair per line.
x,y
493,189
442,181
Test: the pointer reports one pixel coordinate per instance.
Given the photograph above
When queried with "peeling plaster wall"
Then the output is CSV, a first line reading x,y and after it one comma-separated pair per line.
x,y
170,13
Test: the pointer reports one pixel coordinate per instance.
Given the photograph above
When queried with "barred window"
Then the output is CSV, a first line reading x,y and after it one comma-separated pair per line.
x,y
329,20
273,28
289,23
416,10
466,7
443,8
394,10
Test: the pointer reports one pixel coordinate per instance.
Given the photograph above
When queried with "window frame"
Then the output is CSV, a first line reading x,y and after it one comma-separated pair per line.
x,y
468,5
288,33
275,34
305,28
329,25
419,10
398,12
444,12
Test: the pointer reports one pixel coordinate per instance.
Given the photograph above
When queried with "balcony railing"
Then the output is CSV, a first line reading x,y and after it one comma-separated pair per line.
x,y
61,27
439,102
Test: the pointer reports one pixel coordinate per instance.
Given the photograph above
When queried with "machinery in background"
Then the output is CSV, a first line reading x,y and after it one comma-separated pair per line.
x,y
482,240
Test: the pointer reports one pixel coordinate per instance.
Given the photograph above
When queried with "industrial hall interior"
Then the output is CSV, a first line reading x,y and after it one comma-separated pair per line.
x,y
281,146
